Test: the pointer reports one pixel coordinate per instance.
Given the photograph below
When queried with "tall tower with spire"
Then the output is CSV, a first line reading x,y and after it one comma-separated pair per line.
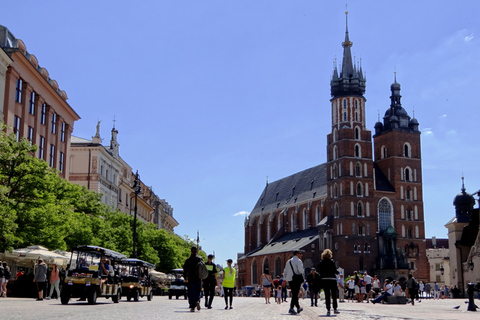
x,y
350,165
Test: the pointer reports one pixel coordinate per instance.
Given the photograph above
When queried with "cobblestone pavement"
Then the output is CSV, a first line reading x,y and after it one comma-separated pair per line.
x,y
243,308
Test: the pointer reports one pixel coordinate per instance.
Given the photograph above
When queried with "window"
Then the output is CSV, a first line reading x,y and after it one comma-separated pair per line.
x,y
356,104
409,194
41,148
410,233
61,162
356,116
16,127
30,135
335,191
52,156
344,116
335,175
31,108
54,123
384,152
357,132
335,153
335,133
367,247
360,209
344,104
384,214
18,91
335,211
361,231
408,175
407,150
356,248
62,134
409,214
358,151
359,189
43,116
358,169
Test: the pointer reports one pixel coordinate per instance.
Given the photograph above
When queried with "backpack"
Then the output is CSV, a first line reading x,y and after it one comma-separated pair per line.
x,y
7,274
201,270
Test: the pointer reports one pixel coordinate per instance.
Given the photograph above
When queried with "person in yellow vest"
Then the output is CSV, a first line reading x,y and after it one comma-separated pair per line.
x,y
210,282
228,283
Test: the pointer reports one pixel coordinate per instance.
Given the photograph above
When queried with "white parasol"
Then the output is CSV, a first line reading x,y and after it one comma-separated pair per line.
x,y
29,256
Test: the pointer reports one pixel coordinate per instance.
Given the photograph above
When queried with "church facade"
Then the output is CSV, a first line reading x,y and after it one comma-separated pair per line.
x,y
365,203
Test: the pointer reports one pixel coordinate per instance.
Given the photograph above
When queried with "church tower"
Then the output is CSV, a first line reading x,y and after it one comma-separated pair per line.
x,y
400,212
350,167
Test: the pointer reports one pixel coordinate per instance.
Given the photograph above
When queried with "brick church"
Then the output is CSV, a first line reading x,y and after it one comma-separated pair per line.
x,y
365,203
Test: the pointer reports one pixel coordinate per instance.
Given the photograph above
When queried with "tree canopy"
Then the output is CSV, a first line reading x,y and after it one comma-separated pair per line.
x,y
37,207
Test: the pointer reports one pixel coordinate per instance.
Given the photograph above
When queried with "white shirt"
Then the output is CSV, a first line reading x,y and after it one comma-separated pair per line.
x,y
368,279
297,265
351,284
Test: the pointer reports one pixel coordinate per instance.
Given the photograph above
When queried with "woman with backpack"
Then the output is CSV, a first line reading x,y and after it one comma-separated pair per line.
x,y
6,275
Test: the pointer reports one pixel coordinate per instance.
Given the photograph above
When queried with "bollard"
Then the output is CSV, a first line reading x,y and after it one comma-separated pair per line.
x,y
471,302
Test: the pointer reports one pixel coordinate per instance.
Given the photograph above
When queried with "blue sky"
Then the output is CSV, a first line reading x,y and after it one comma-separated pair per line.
x,y
211,97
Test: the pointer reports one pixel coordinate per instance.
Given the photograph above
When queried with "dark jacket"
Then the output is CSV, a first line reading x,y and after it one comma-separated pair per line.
x,y
327,269
313,280
190,268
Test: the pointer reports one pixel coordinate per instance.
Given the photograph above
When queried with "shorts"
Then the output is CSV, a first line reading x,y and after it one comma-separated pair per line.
x,y
357,289
40,285
267,286
363,290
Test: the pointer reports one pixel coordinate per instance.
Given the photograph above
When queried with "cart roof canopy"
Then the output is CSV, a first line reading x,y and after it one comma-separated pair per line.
x,y
106,252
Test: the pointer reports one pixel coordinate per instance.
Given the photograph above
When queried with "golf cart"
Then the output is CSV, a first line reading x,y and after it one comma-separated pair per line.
x,y
178,287
136,280
87,278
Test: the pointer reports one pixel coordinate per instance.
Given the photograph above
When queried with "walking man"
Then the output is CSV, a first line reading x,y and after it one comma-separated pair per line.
x,y
341,288
210,282
194,283
313,280
294,275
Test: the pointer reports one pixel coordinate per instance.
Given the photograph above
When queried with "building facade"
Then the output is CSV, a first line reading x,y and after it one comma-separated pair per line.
x,y
365,203
464,241
438,256
101,169
33,105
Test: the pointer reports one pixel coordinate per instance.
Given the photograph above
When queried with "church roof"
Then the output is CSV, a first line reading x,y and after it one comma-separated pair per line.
x,y
309,184
289,242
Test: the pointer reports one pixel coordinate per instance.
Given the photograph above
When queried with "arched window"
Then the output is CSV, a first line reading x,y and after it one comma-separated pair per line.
x,y
367,247
335,135
335,210
410,232
361,230
265,265
408,174
360,209
356,104
384,214
409,214
358,170
317,215
407,151
344,104
384,152
357,133
335,174
356,247
335,191
359,189
356,116
344,116
358,151
409,193
254,272
335,153
305,219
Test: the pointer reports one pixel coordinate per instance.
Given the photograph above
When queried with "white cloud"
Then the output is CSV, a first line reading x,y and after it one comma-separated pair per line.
x,y
427,131
241,213
469,37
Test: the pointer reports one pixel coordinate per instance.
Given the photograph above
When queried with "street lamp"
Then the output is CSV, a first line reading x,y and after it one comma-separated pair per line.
x,y
136,189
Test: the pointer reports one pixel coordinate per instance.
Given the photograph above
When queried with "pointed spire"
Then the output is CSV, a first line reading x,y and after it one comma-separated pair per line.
x,y
463,184
347,65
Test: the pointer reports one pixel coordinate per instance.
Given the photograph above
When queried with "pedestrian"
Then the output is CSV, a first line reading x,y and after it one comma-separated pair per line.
x,y
2,278
313,279
328,272
276,284
283,283
229,283
54,282
351,288
376,285
267,285
40,278
412,287
279,294
210,282
421,288
428,290
436,292
293,273
387,291
368,283
6,275
194,283
341,288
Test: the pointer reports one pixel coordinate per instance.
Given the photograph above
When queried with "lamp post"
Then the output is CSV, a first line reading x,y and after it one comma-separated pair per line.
x,y
136,189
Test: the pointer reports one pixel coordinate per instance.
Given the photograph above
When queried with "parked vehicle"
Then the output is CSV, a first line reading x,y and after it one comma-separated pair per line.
x,y
85,276
178,287
136,280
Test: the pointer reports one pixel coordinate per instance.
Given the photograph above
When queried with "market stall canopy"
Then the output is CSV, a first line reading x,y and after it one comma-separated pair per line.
x,y
157,275
29,256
